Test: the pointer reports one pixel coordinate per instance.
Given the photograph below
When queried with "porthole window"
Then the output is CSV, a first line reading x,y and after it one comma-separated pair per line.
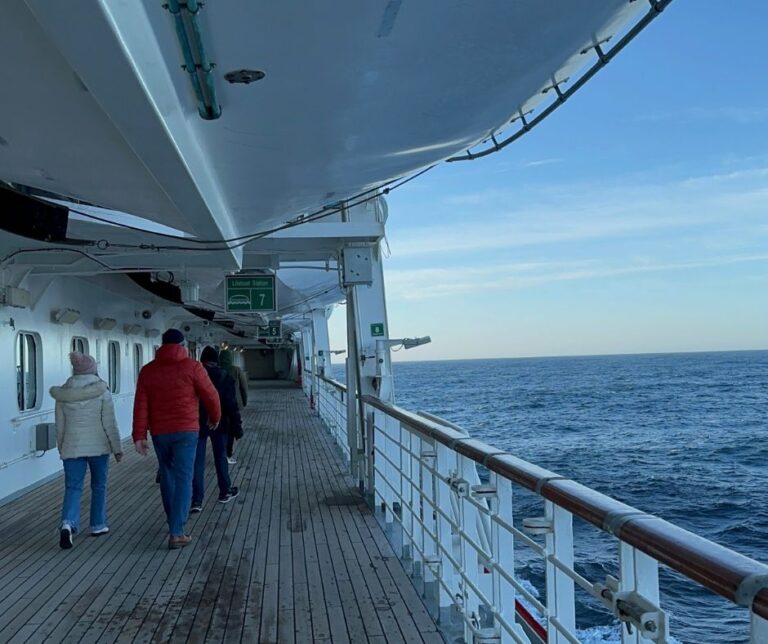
x,y
80,345
113,366
26,371
138,361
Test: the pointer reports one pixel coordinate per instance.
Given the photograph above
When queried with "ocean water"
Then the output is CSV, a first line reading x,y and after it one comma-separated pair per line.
x,y
682,436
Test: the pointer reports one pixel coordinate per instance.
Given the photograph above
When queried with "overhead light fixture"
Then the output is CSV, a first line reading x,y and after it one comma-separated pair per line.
x,y
131,329
244,76
65,316
196,63
104,324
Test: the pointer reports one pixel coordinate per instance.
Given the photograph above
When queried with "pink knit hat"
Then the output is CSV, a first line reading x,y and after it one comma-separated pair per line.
x,y
82,364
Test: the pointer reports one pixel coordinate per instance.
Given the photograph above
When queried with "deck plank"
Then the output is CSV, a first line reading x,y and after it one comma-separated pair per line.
x,y
278,564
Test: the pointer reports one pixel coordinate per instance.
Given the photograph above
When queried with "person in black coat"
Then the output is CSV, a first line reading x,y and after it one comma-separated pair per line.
x,y
230,422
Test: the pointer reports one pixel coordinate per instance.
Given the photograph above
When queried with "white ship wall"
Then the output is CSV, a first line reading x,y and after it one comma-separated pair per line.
x,y
20,465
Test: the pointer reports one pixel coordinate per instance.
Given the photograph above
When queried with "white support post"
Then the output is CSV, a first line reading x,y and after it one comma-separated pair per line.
x,y
639,573
353,420
445,466
406,512
306,366
503,547
468,514
393,474
560,589
416,506
320,352
428,501
758,633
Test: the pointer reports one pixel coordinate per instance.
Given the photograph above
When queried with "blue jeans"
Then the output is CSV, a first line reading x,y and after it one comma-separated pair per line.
x,y
74,476
219,446
176,458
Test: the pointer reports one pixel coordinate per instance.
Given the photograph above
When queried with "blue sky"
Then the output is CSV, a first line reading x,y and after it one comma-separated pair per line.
x,y
633,220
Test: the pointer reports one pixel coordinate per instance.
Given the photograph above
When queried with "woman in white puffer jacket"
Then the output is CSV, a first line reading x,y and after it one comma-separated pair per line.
x,y
86,434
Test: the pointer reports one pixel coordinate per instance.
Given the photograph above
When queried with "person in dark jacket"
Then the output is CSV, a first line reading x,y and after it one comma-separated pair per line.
x,y
230,422
227,362
168,394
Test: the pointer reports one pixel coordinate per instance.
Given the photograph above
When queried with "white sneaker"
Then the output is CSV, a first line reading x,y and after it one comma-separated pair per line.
x,y
231,460
99,532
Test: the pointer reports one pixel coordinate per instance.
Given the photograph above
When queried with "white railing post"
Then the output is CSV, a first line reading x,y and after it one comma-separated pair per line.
x,y
468,520
416,505
392,450
503,550
560,590
406,511
428,502
758,632
449,587
638,573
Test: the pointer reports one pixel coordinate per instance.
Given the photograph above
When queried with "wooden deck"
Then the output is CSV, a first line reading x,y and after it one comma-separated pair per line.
x,y
282,563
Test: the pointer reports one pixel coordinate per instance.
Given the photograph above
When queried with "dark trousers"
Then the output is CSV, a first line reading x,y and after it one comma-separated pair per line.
x,y
219,447
230,444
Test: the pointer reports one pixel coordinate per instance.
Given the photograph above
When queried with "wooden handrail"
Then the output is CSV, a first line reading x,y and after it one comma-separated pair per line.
x,y
739,579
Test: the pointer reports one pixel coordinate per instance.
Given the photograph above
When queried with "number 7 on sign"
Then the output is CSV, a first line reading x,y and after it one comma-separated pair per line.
x,y
261,299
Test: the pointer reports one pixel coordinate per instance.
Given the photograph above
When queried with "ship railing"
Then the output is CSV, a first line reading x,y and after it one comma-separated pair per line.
x,y
459,531
332,408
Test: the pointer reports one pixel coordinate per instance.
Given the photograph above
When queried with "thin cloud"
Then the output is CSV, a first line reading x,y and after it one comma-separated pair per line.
x,y
497,219
536,163
734,114
439,282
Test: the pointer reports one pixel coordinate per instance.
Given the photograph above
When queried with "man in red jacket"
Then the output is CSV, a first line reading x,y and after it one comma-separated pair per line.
x,y
167,405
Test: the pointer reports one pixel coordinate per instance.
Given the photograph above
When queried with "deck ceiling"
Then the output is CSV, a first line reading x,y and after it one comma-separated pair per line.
x,y
96,106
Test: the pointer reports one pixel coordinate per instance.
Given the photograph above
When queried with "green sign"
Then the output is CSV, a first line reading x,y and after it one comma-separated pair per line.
x,y
377,329
246,294
273,330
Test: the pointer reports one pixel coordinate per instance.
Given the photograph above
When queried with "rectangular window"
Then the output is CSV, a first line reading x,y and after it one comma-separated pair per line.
x,y
80,345
192,350
138,361
26,371
113,366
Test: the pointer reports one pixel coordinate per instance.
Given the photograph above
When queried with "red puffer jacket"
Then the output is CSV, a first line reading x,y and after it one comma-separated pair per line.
x,y
167,394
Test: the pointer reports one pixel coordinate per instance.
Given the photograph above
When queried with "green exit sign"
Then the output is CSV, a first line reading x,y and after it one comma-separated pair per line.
x,y
273,330
377,329
246,294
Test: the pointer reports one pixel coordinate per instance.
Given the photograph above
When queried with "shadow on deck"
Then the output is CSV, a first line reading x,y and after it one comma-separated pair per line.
x,y
293,559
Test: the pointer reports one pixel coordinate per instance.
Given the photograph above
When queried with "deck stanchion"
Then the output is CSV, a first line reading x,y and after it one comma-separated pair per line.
x,y
391,449
560,588
406,515
503,545
758,629
639,573
416,505
449,589
428,499
468,529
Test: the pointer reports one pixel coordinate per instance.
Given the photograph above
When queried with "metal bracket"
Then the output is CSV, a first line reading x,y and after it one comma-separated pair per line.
x,y
459,486
484,491
433,562
633,609
538,525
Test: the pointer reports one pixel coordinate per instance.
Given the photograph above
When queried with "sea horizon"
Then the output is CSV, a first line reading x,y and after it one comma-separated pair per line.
x,y
395,359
